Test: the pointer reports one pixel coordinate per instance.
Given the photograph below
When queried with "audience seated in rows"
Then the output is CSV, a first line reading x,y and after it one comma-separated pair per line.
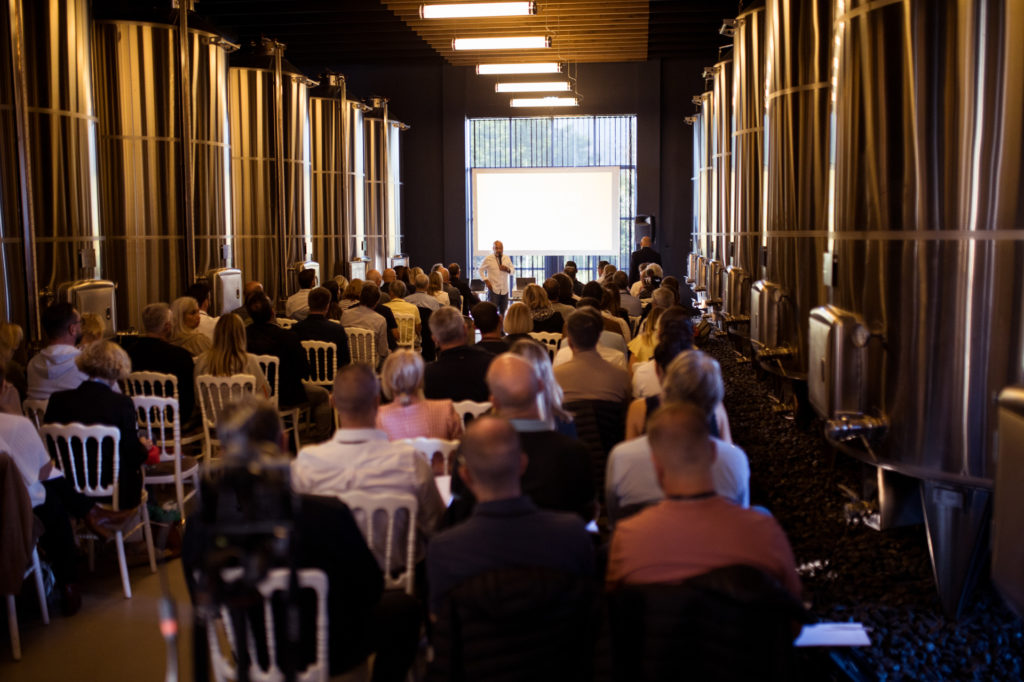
x,y
642,347
553,288
518,322
459,371
673,335
363,316
454,295
588,376
316,326
360,457
410,415
228,355
297,305
570,271
550,398
488,322
469,299
185,326
627,301
399,305
435,288
545,318
421,297
693,530
696,374
152,352
249,289
53,368
201,292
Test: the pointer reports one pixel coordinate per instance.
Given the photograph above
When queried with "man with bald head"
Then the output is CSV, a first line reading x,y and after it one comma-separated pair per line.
x,y
645,254
693,530
496,271
506,529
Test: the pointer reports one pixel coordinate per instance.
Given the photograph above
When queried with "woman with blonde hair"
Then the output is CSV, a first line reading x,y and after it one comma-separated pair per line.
x,y
185,326
92,329
410,415
518,322
545,317
227,356
351,293
435,288
11,336
557,418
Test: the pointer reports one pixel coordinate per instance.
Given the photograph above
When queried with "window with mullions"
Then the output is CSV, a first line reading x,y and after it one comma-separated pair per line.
x,y
556,141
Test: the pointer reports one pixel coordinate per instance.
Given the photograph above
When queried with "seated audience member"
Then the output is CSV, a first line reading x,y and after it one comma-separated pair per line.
x,y
608,274
506,529
152,352
588,376
92,329
264,337
185,326
593,295
627,301
687,375
693,530
488,322
421,297
389,320
469,299
228,356
105,363
570,271
10,401
552,287
350,295
610,309
399,305
201,292
454,295
674,334
435,288
375,277
362,617
518,322
316,326
410,415
297,305
250,288
642,347
459,371
387,278
650,281
545,319
53,368
11,336
556,417
360,457
363,316
334,307
48,492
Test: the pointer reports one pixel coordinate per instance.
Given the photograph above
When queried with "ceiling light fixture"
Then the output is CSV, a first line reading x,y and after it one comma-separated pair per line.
x,y
550,86
545,102
511,43
478,9
497,69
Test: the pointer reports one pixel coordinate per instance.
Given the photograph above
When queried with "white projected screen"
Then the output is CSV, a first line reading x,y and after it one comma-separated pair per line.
x,y
547,211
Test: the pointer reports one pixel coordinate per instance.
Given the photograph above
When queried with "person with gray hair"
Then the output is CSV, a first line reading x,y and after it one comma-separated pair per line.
x,y
458,373
421,298
185,326
410,415
152,352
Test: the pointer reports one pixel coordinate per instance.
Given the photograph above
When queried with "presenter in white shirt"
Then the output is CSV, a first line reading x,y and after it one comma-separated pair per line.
x,y
496,271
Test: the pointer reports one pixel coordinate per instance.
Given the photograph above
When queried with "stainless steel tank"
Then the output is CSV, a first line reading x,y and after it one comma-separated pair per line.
x,y
721,157
383,185
924,324
697,158
270,166
54,144
747,123
338,185
795,186
159,236
13,294
707,180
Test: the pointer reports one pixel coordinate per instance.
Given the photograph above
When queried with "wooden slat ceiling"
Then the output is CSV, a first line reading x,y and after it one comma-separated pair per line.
x,y
580,31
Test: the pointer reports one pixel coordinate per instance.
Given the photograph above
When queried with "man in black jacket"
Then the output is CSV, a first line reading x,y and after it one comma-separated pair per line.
x,y
316,326
645,254
458,373
469,299
151,352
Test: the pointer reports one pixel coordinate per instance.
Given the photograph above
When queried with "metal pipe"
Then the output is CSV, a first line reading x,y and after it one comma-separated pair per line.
x,y
343,151
279,163
185,112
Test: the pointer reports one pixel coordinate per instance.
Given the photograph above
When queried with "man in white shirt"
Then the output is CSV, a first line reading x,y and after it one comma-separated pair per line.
x,y
297,305
53,368
201,292
496,271
360,458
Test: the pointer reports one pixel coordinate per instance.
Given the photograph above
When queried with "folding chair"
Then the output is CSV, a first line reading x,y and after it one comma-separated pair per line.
x,y
323,362
216,393
469,410
406,330
158,416
270,366
549,339
164,386
362,346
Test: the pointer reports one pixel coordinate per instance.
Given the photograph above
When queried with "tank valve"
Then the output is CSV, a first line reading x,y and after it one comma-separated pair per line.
x,y
776,353
850,426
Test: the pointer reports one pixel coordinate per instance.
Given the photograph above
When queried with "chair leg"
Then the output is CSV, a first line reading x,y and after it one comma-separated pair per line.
x,y
123,563
148,531
44,611
12,625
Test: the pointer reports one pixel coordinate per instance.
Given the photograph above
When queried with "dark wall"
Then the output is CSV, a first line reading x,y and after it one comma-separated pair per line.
x,y
436,99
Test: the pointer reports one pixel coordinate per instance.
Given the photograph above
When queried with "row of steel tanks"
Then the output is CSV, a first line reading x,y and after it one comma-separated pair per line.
x,y
140,150
866,244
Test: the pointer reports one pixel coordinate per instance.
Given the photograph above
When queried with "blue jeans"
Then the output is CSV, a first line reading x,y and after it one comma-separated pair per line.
x,y
500,300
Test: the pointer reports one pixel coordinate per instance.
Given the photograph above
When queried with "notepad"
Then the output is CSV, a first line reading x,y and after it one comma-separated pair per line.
x,y
833,634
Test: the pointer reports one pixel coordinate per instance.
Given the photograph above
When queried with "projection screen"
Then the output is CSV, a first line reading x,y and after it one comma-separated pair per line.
x,y
547,211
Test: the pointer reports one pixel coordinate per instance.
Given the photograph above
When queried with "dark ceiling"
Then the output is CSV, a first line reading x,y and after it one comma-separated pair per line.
x,y
336,33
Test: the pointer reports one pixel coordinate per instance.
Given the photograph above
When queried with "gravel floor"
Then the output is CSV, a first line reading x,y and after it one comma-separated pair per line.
x,y
882,579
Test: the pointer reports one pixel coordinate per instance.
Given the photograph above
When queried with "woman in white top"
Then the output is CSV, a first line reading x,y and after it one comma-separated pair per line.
x,y
228,356
436,289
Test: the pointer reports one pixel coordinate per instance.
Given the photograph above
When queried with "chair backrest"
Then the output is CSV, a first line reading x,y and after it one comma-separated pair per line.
x,y
285,322
35,410
216,393
600,425
159,418
152,383
80,452
468,410
270,364
549,339
277,580
634,324
323,362
434,448
362,346
406,330
377,515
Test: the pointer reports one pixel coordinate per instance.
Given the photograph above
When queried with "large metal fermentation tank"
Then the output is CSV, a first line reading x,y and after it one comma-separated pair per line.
x,y
13,301
747,143
705,200
795,186
153,251
383,185
54,146
721,160
698,160
338,185
924,326
270,167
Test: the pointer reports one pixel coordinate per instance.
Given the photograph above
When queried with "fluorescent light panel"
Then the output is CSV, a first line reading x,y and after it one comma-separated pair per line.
x,y
550,86
498,69
545,102
509,43
477,9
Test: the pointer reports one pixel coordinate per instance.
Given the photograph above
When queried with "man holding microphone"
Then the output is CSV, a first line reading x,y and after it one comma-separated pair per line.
x,y
496,271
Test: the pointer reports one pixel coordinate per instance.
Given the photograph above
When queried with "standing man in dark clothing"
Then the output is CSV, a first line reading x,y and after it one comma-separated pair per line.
x,y
469,299
570,271
152,352
645,254
316,326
